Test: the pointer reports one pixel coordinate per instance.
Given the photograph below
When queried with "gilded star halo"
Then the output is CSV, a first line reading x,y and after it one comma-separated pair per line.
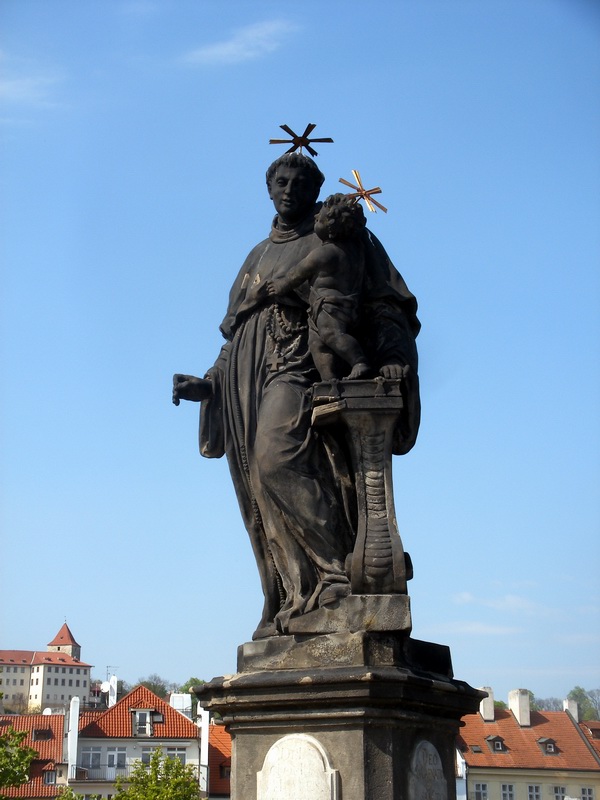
x,y
360,193
298,142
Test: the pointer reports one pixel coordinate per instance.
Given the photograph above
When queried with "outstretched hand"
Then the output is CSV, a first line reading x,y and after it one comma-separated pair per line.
x,y
188,387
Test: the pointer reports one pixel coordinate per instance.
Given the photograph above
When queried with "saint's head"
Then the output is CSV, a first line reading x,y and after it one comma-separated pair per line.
x,y
294,181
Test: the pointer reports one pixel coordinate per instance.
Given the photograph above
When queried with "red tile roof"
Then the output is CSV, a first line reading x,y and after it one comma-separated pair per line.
x,y
522,748
116,722
219,755
50,751
63,637
591,731
30,658
35,787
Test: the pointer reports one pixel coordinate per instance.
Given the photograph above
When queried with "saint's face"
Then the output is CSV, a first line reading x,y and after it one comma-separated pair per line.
x,y
293,193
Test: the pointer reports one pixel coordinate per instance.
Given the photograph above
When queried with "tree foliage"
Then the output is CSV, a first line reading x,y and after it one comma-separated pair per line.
x,y
587,701
67,793
158,685
15,759
163,778
548,703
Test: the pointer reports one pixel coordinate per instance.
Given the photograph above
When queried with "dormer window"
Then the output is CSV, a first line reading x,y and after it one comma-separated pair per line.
x,y
496,744
548,746
142,723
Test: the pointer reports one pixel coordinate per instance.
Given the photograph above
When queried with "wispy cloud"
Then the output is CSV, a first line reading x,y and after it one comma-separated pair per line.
x,y
21,86
245,44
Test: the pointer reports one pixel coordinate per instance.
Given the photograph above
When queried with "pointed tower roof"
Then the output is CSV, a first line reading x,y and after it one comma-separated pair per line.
x,y
64,637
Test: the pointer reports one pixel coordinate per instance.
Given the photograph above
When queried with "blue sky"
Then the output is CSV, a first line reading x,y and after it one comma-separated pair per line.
x,y
134,143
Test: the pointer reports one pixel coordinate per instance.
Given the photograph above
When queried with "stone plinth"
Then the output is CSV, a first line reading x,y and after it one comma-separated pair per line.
x,y
342,716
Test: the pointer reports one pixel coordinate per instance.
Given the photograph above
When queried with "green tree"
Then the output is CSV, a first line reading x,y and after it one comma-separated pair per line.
x,y
67,793
163,778
158,685
587,702
186,688
548,703
15,759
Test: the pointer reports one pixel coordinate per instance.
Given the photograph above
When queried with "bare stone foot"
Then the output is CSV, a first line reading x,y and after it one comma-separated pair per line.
x,y
359,370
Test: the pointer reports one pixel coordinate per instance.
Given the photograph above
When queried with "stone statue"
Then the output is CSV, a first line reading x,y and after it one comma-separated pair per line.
x,y
308,302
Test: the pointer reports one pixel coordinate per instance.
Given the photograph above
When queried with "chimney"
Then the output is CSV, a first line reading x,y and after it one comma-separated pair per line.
x,y
572,707
518,703
486,707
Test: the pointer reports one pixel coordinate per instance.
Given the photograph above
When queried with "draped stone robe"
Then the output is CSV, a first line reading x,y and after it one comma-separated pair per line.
x,y
293,488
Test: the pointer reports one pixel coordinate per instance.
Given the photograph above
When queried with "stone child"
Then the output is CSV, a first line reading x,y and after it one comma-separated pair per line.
x,y
335,273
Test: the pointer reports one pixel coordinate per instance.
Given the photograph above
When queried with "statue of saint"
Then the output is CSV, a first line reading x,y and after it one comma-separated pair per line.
x,y
294,484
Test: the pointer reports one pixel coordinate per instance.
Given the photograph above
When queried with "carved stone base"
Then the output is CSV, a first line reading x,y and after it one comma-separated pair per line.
x,y
343,716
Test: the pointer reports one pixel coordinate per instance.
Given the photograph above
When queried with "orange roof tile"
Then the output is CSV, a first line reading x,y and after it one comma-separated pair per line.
x,y
591,731
116,722
50,751
522,748
31,658
35,787
63,637
219,755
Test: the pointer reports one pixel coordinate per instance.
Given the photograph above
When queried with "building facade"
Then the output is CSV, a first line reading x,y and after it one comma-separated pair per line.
x,y
33,680
520,754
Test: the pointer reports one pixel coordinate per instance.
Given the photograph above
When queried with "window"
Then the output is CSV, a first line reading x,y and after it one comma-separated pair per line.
x,y
481,791
534,792
224,771
49,681
116,757
142,725
587,793
176,752
70,681
147,754
90,757
550,747
499,745
508,791
56,681
50,777
76,683
560,792
62,682
42,734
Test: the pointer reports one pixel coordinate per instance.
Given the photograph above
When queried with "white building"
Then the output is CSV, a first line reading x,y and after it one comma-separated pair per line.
x,y
33,679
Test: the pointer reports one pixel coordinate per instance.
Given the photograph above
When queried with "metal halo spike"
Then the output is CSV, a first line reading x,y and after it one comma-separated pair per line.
x,y
360,193
300,141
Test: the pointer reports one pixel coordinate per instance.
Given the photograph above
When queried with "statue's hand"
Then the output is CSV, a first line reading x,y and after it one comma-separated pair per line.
x,y
188,387
274,287
394,371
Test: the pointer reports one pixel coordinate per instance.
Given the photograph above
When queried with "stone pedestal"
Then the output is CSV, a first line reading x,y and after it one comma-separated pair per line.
x,y
369,715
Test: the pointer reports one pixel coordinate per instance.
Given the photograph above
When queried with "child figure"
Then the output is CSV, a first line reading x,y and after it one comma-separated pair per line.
x,y
335,274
